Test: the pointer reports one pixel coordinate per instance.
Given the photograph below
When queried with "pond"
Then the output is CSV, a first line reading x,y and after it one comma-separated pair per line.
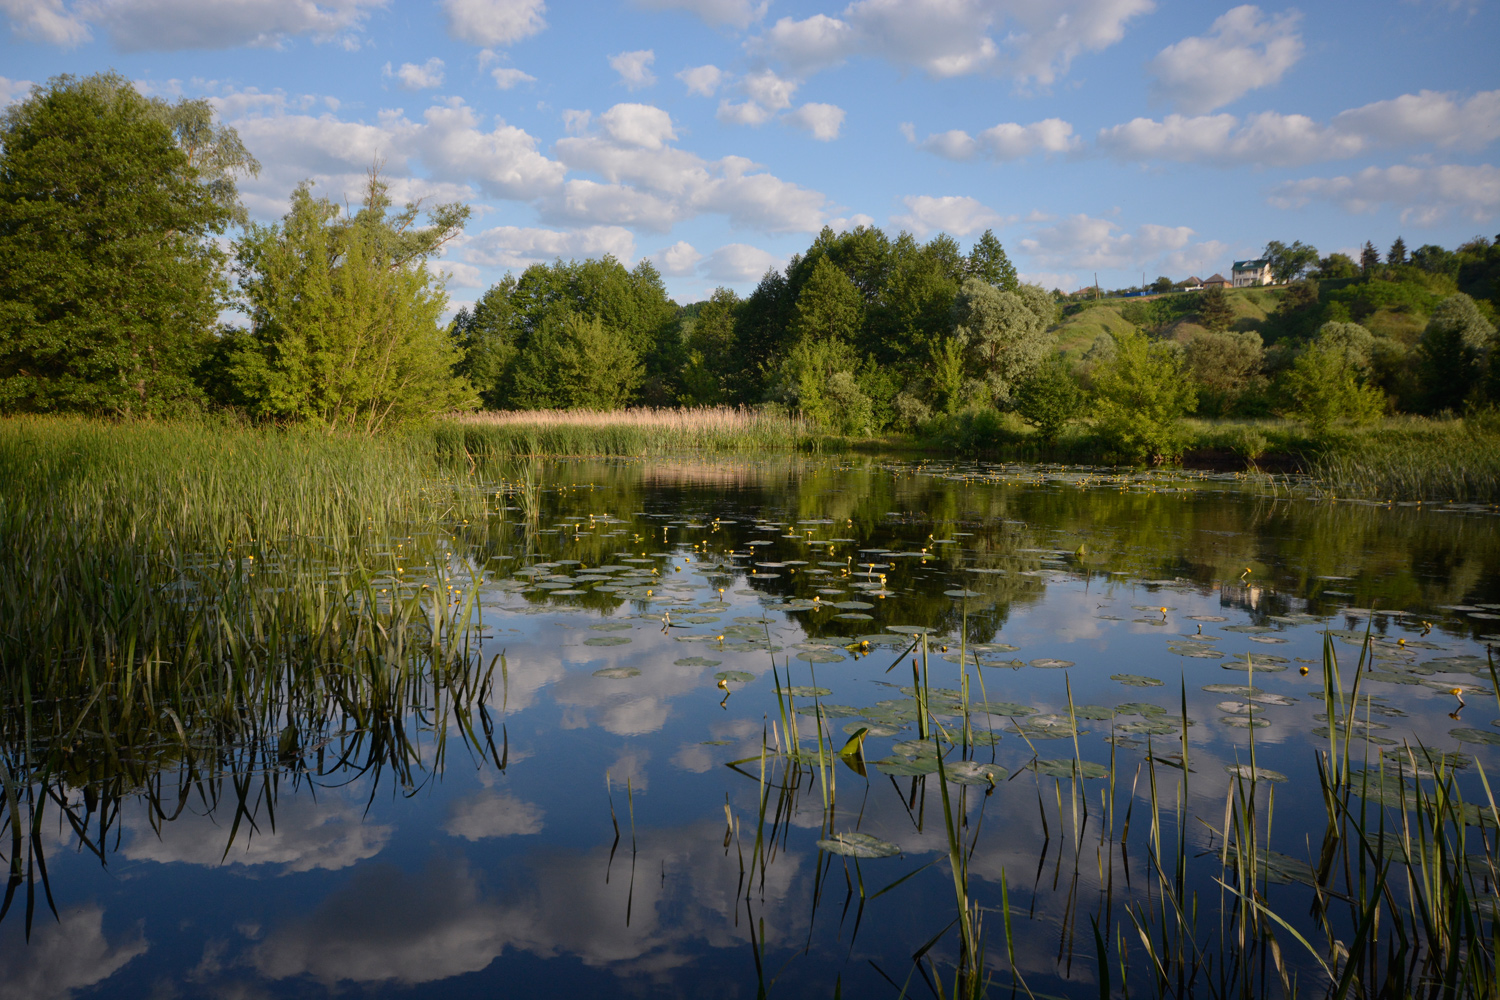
x,y
814,727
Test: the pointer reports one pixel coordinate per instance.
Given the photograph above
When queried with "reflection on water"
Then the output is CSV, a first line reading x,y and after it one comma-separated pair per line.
x,y
605,790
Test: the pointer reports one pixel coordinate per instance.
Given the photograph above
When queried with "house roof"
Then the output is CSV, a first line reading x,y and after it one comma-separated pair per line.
x,y
1193,280
1251,265
1216,277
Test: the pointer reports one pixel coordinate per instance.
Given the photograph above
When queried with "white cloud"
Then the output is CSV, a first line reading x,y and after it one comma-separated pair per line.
x,y
1424,195
414,77
1049,279
167,25
956,214
504,161
63,957
733,13
1428,116
679,260
459,275
516,248
822,120
507,77
1271,138
45,21
492,814
1244,50
638,125
634,68
1030,42
1083,242
702,80
494,22
14,90
768,93
576,122
329,834
1004,142
739,262
844,223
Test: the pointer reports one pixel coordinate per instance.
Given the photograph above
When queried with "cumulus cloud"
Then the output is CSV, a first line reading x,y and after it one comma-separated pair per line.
x,y
768,93
638,125
45,21
494,22
956,214
492,814
1243,50
731,13
414,77
1274,139
167,25
1028,42
822,120
1004,142
1423,195
64,957
679,260
634,68
702,80
517,248
1084,242
507,77
13,90
738,262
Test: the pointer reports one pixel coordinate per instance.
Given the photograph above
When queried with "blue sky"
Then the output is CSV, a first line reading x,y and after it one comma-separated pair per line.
x,y
717,136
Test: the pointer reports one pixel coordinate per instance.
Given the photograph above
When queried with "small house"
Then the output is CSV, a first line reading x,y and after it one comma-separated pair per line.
x,y
1192,284
1217,281
1249,273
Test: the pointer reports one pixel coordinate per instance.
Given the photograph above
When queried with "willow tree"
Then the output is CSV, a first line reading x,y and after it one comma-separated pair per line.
x,y
1005,334
344,315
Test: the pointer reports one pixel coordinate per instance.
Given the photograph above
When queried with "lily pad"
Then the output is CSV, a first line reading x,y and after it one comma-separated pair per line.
x,y
820,656
617,673
738,676
1246,722
1064,768
612,627
906,767
803,691
874,728
962,593
1475,736
853,605
972,772
696,661
1136,680
859,845
1048,663
910,629
605,640
1148,727
1096,713
854,616
1257,773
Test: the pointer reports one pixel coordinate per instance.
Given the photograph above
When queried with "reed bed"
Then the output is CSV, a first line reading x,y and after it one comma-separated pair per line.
x,y
1415,460
636,432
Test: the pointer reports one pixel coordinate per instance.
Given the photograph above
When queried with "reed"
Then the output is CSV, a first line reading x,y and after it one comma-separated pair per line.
x,y
1414,460
637,432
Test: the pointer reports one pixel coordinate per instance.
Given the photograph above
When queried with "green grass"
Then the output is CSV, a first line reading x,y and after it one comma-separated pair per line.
x,y
637,433
1413,459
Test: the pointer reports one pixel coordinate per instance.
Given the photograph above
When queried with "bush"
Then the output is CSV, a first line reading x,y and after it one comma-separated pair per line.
x,y
1142,394
1325,387
1049,398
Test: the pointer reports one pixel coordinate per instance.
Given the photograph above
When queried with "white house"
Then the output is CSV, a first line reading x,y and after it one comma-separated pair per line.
x,y
1248,273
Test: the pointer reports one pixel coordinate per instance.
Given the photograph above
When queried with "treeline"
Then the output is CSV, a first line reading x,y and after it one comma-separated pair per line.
x,y
115,266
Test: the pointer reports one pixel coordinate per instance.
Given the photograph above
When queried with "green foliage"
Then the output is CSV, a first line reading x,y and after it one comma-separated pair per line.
x,y
110,282
829,306
1214,311
486,338
1289,262
709,338
1324,387
1397,253
1369,258
989,263
1336,266
1005,334
947,367
817,378
1141,396
1049,397
1226,366
344,316
1352,341
1450,354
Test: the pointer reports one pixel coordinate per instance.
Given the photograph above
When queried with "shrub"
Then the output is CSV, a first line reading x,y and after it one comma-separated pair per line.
x,y
1049,398
1142,394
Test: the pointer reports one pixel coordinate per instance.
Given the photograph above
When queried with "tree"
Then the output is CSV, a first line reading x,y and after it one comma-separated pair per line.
x,y
1049,397
1162,285
595,369
1336,265
817,378
1369,259
1397,254
486,336
829,307
1004,334
1289,262
1324,387
1351,341
989,263
1451,351
710,343
344,315
1141,396
1435,260
1214,311
110,280
1225,366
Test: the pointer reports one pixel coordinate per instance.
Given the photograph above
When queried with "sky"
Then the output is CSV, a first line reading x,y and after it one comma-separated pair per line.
x,y
1116,138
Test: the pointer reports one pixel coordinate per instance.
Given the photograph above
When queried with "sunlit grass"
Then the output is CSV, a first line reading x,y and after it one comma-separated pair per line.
x,y
636,432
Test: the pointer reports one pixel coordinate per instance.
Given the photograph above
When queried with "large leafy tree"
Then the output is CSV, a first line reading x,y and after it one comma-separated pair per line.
x,y
1141,396
1451,352
110,280
1005,334
988,262
344,315
1289,262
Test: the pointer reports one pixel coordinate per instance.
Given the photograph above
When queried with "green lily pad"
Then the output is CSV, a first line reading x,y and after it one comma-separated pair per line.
x,y
962,593
859,845
1248,722
1064,768
910,629
1048,663
605,640
874,728
1095,713
701,619
612,627
1239,689
1140,708
820,656
854,616
1136,680
1475,736
1257,773
803,691
972,772
853,605
738,676
1006,708
906,767
617,673
696,661
1149,727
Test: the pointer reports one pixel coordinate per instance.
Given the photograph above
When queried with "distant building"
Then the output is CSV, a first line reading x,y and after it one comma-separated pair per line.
x,y
1217,281
1193,284
1249,273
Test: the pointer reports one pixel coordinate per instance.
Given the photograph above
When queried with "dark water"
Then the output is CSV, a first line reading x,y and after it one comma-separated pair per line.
x,y
615,851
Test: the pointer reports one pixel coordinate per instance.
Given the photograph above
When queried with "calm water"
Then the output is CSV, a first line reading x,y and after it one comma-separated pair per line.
x,y
603,843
